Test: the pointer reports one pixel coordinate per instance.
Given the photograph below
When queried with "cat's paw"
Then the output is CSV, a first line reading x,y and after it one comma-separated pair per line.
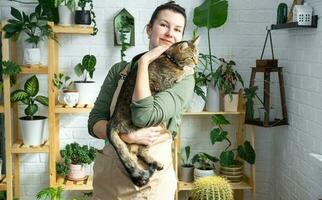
x,y
159,166
141,178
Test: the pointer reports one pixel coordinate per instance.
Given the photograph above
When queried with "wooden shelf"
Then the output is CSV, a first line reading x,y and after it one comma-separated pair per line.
x,y
1,109
295,24
243,185
257,122
73,29
86,184
3,183
34,69
19,147
212,113
78,108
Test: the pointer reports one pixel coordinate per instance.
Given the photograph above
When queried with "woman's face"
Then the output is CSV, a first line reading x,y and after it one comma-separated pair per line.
x,y
166,29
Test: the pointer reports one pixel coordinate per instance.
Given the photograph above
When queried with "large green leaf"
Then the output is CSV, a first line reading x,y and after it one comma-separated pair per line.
x,y
31,109
217,135
211,14
42,99
246,152
18,95
32,86
227,158
16,13
219,120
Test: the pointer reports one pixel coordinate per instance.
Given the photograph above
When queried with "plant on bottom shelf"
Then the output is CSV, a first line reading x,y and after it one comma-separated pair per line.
x,y
11,69
227,157
51,193
76,155
212,188
185,160
204,161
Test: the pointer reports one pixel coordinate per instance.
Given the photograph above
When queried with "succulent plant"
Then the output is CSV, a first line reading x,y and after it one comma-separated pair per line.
x,y
212,188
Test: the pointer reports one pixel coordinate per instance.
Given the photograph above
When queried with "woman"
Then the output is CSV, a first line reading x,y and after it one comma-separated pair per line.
x,y
111,180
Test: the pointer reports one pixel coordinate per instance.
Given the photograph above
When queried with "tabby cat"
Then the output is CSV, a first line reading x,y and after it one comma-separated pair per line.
x,y
166,70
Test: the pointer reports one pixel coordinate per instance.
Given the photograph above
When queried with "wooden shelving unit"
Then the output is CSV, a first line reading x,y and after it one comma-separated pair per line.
x,y
248,183
16,148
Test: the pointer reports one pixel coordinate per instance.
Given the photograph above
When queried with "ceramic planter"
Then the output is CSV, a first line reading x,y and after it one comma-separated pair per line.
x,y
231,105
83,17
197,103
68,97
186,173
272,114
66,16
76,172
127,36
31,56
233,173
213,98
85,89
201,173
32,131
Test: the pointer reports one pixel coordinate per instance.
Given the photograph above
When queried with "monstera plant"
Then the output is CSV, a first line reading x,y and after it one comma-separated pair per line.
x,y
210,14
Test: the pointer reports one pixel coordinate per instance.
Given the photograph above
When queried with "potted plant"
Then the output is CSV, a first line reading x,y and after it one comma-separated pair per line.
x,y
187,167
211,14
85,87
204,165
250,94
10,69
231,168
34,26
32,126
51,193
66,10
213,187
123,32
74,157
225,79
86,17
66,96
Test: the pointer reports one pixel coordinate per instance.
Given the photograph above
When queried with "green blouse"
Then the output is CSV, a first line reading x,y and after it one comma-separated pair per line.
x,y
166,106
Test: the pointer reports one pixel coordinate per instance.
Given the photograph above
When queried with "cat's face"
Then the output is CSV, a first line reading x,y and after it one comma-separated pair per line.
x,y
185,53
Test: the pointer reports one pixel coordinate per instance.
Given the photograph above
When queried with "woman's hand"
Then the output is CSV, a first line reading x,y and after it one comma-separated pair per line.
x,y
145,136
151,55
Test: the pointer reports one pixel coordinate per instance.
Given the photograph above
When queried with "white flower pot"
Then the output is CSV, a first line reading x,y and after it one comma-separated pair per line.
x,y
213,98
85,89
197,103
127,37
31,56
32,131
66,16
272,114
198,173
68,97
76,172
231,105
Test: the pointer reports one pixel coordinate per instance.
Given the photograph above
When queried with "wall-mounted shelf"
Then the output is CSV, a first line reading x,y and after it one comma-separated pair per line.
x,y
295,24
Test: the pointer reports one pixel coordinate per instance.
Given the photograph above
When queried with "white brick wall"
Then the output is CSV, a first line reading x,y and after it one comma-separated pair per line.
x,y
284,169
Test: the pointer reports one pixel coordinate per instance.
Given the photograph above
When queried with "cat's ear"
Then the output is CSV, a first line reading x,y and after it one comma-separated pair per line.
x,y
184,45
195,41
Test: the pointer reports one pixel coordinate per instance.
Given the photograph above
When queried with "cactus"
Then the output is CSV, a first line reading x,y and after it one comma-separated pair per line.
x,y
212,188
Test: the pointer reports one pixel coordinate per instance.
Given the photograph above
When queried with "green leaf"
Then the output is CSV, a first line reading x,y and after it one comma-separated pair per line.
x,y
16,13
31,110
187,150
217,135
18,95
246,152
219,120
211,14
32,86
78,69
42,99
227,158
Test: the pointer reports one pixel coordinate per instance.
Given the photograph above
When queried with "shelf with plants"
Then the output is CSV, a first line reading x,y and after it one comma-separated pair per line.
x,y
34,69
20,147
73,29
296,25
78,108
86,184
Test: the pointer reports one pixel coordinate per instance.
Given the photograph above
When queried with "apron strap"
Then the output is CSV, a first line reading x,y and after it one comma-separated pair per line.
x,y
123,75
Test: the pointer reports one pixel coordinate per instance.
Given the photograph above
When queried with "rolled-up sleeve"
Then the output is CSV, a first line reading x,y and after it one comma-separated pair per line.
x,y
164,105
101,109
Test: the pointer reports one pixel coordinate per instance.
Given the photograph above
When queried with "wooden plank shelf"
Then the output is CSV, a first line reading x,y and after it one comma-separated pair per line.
x,y
73,29
3,183
296,25
1,109
276,122
78,108
211,113
34,69
243,185
19,147
86,184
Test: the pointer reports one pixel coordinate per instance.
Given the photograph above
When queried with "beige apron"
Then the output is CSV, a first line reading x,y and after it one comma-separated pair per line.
x,y
112,182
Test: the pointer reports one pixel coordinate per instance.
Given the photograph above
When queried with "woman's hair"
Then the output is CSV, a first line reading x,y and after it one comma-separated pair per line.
x,y
171,5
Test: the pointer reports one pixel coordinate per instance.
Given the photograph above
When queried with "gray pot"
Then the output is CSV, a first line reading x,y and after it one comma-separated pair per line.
x,y
186,174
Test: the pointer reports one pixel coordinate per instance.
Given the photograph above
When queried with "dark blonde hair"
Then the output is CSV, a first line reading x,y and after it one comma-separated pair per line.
x,y
171,5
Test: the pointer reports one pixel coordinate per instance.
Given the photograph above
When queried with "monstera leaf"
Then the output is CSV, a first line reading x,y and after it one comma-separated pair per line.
x,y
211,14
